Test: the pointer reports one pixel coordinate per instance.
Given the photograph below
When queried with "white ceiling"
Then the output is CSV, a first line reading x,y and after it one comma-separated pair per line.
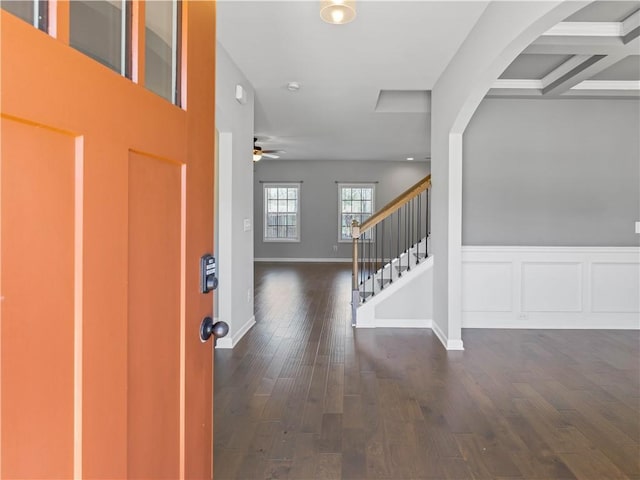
x,y
396,45
391,45
605,11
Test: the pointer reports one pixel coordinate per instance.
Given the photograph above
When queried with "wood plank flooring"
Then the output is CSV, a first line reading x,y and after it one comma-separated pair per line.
x,y
304,396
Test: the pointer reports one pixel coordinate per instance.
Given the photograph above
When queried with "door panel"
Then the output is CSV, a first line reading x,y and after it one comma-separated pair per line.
x,y
103,373
37,240
154,317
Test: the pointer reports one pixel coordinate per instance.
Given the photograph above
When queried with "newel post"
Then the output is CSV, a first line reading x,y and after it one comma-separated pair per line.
x,y
355,235
355,291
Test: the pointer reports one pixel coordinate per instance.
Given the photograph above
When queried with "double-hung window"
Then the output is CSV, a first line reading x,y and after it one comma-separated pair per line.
x,y
356,201
281,212
35,12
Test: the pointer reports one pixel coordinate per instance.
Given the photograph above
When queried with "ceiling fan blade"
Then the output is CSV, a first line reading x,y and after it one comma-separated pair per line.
x,y
272,151
270,155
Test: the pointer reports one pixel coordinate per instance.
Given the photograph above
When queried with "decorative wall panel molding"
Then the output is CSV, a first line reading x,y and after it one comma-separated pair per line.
x,y
551,287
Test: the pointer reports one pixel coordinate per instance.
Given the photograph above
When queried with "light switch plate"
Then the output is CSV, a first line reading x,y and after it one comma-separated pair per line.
x,y
247,224
637,227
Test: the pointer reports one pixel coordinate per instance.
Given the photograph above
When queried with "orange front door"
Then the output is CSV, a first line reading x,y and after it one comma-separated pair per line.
x,y
105,209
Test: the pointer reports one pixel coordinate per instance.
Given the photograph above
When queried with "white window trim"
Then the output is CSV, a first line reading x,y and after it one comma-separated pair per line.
x,y
265,186
372,186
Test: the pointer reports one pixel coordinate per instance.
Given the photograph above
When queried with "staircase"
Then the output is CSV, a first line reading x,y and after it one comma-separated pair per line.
x,y
391,247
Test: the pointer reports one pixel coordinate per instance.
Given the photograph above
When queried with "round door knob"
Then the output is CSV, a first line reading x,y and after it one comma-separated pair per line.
x,y
208,328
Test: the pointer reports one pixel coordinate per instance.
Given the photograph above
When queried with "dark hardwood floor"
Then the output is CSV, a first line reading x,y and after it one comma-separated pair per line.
x,y
304,396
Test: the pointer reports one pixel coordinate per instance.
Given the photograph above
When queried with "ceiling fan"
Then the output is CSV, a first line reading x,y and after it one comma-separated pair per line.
x,y
258,152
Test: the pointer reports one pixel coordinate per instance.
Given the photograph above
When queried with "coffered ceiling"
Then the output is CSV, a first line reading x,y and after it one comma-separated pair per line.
x,y
593,53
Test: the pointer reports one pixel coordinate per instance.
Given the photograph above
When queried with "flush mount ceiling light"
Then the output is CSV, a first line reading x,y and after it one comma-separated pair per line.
x,y
337,11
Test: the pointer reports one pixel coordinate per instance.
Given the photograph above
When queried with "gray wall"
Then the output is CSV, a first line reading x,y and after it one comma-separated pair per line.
x,y
552,173
234,245
319,200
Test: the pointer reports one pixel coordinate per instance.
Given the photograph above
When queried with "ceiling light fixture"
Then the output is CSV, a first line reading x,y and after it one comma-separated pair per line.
x,y
293,86
409,158
337,12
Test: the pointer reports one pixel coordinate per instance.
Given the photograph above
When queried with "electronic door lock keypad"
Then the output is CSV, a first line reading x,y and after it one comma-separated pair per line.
x,y
208,280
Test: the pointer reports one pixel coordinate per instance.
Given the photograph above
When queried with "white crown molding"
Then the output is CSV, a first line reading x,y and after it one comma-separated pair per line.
x,y
523,84
607,85
586,29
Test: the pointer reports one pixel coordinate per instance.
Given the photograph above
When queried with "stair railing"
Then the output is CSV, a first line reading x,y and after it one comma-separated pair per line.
x,y
394,237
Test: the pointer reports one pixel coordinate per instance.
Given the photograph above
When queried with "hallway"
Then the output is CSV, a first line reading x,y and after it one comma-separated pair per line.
x,y
304,396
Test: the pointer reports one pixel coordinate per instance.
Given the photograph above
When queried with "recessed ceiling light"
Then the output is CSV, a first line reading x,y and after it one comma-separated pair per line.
x,y
409,158
293,86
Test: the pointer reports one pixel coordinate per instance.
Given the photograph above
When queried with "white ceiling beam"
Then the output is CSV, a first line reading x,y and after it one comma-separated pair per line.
x,y
571,64
595,47
578,38
584,71
631,23
607,85
609,94
595,65
575,45
585,29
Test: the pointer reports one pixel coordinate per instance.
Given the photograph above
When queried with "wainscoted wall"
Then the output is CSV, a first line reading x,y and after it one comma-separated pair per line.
x,y
551,287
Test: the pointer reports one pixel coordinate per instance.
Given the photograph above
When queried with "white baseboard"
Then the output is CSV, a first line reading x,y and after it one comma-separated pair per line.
x,y
448,344
303,260
552,321
551,287
231,341
395,323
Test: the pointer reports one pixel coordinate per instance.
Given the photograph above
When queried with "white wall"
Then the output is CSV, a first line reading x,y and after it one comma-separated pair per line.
x,y
235,125
405,303
562,172
319,200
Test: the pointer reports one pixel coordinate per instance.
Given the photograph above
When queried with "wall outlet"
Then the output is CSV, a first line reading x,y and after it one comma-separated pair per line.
x,y
523,316
247,224
335,248
249,295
